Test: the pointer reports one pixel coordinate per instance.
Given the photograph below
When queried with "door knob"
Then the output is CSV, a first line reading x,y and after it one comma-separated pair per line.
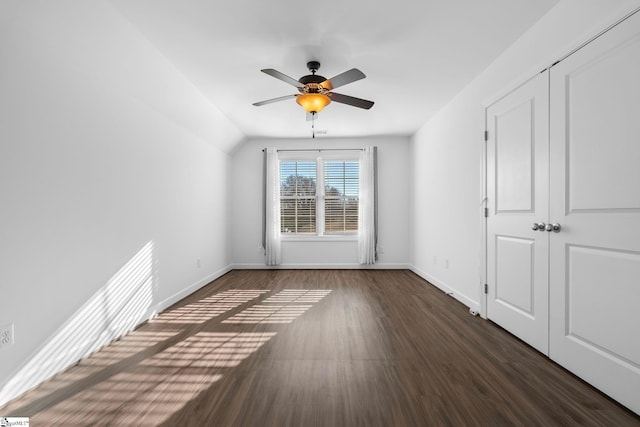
x,y
555,227
538,226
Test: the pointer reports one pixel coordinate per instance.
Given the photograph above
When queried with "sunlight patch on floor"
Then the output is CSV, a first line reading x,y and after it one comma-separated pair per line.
x,y
210,350
208,308
283,307
150,392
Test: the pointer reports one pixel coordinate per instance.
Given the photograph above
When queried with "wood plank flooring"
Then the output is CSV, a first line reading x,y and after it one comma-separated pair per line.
x,y
318,348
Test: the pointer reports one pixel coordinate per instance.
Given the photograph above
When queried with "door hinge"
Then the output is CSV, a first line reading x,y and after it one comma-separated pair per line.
x,y
486,212
486,288
486,135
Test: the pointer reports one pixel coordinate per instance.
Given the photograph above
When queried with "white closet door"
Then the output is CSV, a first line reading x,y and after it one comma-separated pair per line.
x,y
595,197
518,196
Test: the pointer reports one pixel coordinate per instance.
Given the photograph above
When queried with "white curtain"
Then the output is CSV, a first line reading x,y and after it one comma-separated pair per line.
x,y
272,247
367,208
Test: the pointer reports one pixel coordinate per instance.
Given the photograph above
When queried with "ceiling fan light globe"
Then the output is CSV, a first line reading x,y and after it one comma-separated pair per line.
x,y
313,102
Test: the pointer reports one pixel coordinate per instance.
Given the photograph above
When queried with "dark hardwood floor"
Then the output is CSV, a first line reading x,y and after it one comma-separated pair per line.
x,y
318,348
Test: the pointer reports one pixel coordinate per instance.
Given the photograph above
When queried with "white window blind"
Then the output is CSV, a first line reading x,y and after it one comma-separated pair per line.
x,y
341,188
298,197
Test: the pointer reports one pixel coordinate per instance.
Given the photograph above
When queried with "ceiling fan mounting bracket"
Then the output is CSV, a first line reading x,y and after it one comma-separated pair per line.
x,y
313,80
313,66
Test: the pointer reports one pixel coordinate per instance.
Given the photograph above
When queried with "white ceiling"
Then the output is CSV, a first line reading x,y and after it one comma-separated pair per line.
x,y
417,54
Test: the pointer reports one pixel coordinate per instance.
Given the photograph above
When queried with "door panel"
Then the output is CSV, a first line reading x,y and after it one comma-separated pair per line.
x,y
595,196
518,290
606,328
515,143
518,196
602,156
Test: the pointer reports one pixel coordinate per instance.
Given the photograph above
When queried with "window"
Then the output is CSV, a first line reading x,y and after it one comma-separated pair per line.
x,y
298,197
319,197
341,197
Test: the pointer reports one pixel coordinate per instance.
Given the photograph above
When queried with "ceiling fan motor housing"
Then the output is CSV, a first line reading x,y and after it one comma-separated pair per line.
x,y
312,81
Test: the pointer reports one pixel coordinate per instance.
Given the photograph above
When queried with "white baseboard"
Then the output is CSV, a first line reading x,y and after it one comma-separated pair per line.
x,y
168,302
322,266
473,305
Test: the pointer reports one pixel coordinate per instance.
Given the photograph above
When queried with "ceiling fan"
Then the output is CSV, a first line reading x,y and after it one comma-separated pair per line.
x,y
316,91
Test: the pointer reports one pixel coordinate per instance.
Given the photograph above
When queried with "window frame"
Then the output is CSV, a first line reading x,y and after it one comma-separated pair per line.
x,y
320,157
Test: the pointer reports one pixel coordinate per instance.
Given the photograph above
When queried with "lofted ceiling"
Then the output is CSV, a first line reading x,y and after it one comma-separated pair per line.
x,y
417,54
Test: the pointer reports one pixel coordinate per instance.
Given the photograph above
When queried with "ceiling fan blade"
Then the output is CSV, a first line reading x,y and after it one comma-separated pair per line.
x,y
342,79
278,75
269,101
350,100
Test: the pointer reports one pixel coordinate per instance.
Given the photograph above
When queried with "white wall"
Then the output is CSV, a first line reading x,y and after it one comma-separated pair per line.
x,y
393,210
113,183
446,152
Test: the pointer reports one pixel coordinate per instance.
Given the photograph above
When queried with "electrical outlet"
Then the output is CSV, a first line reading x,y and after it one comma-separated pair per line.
x,y
198,263
6,335
380,249
446,263
435,259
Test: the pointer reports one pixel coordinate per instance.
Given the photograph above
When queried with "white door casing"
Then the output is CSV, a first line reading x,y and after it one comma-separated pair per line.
x,y
595,197
517,197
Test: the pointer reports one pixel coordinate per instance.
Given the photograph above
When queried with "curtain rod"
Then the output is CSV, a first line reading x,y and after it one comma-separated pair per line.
x,y
321,149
